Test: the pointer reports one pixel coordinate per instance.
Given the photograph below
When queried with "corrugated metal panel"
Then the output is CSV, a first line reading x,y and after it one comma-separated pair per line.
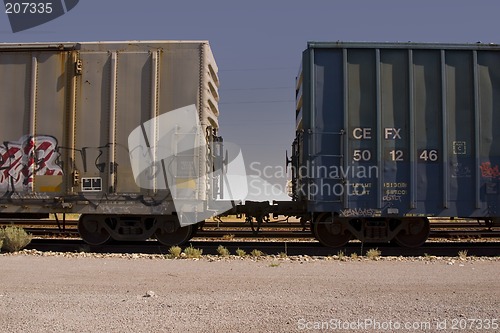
x,y
93,100
422,115
428,123
33,97
133,107
15,71
50,104
82,100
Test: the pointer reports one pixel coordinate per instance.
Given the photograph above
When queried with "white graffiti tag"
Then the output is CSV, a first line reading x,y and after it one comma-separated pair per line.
x,y
31,155
357,212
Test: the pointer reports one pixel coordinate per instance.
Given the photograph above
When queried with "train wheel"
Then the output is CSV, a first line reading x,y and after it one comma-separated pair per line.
x,y
92,231
415,233
174,236
330,231
196,227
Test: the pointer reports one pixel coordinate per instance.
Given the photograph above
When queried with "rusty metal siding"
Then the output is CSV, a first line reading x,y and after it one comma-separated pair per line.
x,y
33,105
84,99
92,116
133,107
179,62
15,73
50,114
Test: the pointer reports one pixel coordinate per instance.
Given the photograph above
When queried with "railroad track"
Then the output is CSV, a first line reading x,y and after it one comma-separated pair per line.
x,y
283,230
293,248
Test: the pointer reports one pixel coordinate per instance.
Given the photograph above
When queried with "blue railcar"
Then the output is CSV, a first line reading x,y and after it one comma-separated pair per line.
x,y
389,134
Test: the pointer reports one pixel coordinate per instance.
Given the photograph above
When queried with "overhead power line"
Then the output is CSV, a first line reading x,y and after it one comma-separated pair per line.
x,y
261,88
257,102
257,69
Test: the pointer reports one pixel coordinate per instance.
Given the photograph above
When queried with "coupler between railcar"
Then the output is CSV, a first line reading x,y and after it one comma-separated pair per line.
x,y
334,231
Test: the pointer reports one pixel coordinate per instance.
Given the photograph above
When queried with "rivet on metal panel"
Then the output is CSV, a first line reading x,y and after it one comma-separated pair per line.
x,y
78,67
76,178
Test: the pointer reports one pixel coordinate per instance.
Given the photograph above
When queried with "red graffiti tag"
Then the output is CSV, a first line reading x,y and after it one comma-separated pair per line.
x,y
487,171
29,156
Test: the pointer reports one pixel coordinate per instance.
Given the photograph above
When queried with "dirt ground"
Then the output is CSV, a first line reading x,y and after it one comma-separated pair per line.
x,y
59,294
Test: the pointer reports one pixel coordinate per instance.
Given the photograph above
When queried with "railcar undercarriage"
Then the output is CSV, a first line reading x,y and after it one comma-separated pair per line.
x,y
329,229
99,229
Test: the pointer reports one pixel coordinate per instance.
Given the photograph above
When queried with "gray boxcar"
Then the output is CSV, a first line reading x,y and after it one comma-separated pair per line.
x,y
67,111
389,134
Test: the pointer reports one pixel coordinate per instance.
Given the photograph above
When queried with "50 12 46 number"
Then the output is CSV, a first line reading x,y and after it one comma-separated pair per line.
x,y
28,8
428,155
396,155
361,155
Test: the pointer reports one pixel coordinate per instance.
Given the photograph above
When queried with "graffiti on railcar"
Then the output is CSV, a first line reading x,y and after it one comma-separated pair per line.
x,y
489,171
31,156
358,212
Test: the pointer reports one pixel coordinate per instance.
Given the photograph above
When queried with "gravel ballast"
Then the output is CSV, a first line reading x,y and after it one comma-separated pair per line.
x,y
83,293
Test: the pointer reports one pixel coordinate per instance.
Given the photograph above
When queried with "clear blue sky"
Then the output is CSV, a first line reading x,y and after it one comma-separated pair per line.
x,y
258,45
